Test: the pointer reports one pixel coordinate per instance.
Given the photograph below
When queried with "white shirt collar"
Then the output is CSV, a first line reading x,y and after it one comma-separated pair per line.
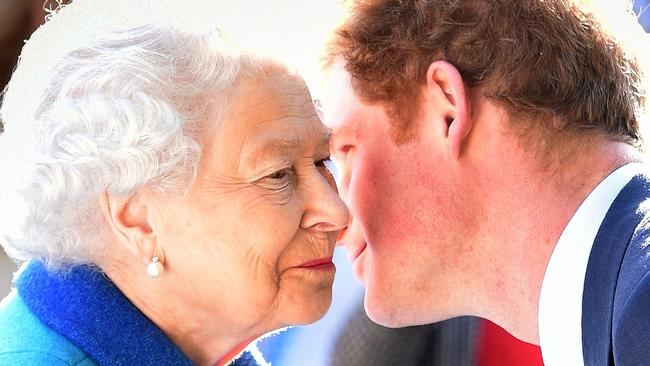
x,y
560,302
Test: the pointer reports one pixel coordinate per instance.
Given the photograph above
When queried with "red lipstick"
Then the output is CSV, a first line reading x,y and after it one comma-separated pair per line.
x,y
321,263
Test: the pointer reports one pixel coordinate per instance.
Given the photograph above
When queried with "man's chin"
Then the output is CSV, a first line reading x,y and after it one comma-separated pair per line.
x,y
385,314
393,313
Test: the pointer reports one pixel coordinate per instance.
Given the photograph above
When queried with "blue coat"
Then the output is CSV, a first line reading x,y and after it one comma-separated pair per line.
x,y
80,318
25,340
616,299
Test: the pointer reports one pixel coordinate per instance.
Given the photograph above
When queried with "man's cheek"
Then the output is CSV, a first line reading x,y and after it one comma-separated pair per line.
x,y
343,183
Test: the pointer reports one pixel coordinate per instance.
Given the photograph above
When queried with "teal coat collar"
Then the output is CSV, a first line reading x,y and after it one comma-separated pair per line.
x,y
84,306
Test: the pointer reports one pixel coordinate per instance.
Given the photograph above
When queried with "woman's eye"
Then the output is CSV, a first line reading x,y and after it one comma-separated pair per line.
x,y
323,162
279,175
326,167
278,180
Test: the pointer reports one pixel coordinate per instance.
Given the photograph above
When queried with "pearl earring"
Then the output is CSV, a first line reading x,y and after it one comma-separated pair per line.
x,y
155,268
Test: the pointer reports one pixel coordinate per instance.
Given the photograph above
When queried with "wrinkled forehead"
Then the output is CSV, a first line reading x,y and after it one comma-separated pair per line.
x,y
271,111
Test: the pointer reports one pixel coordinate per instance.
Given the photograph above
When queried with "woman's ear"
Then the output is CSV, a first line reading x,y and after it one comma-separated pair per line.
x,y
129,219
451,103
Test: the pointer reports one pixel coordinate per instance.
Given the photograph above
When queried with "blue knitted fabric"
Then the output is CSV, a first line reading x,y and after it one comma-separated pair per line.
x,y
84,306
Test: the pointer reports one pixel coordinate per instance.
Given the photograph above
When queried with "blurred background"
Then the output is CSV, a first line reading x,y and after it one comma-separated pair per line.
x,y
18,19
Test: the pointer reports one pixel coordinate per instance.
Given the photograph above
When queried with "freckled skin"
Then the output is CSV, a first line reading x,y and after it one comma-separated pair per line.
x,y
402,208
261,205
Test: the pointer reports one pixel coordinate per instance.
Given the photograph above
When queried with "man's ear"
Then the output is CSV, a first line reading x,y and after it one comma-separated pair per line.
x,y
446,90
129,219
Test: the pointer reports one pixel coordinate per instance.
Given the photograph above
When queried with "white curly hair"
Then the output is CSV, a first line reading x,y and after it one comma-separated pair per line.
x,y
107,103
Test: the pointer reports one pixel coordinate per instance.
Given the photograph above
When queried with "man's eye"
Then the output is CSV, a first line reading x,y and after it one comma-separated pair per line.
x,y
345,148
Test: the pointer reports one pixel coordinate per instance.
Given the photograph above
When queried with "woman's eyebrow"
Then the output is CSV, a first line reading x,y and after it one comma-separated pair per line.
x,y
263,147
327,136
296,140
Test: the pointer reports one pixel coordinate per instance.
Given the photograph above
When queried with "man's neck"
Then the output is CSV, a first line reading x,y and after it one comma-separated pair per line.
x,y
528,211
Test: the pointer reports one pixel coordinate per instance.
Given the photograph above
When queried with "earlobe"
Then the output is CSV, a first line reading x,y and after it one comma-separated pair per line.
x,y
128,219
446,84
455,138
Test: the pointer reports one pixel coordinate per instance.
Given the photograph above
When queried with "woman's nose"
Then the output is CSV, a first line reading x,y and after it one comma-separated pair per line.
x,y
324,209
341,235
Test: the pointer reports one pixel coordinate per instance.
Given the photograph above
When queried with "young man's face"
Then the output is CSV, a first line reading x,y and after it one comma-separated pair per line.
x,y
404,236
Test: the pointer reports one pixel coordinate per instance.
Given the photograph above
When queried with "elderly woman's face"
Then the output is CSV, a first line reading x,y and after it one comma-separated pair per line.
x,y
252,241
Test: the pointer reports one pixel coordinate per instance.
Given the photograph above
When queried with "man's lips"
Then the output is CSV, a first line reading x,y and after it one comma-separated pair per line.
x,y
355,255
320,263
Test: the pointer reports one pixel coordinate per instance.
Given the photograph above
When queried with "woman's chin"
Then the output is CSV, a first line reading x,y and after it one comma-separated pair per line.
x,y
309,309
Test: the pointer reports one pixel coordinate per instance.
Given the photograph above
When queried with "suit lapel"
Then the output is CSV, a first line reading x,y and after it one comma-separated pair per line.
x,y
603,269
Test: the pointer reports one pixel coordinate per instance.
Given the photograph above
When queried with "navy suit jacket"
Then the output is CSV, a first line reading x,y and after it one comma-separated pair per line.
x,y
642,9
616,298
